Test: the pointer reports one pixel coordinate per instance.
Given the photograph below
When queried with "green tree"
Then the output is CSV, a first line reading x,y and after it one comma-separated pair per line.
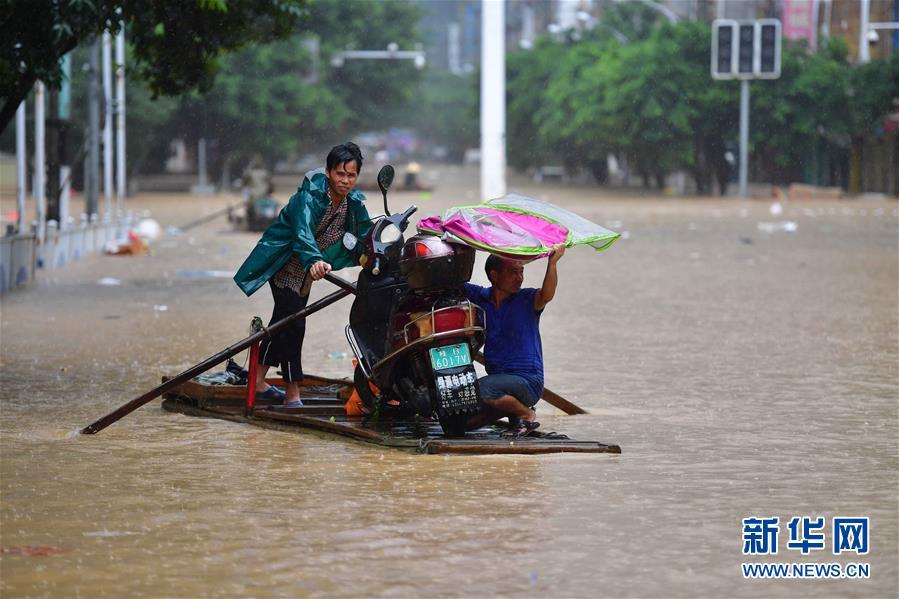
x,y
260,105
373,91
634,20
873,89
571,122
273,100
148,119
529,74
801,122
445,111
176,44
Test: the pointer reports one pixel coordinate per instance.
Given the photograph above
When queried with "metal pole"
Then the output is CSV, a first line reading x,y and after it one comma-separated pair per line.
x,y
40,166
120,117
744,136
864,13
21,170
107,122
201,161
493,99
64,188
92,165
53,141
65,175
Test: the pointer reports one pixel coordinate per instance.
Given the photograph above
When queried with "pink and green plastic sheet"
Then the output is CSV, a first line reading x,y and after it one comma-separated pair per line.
x,y
516,226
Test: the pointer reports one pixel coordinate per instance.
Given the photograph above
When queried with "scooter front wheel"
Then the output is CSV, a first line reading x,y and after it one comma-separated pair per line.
x,y
360,382
453,425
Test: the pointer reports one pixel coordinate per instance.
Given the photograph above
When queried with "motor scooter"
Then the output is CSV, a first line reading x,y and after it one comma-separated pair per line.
x,y
411,328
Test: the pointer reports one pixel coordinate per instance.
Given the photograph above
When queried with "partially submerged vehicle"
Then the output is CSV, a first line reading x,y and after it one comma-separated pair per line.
x,y
255,214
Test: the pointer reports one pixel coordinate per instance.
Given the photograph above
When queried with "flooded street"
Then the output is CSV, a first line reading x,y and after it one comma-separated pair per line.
x,y
744,370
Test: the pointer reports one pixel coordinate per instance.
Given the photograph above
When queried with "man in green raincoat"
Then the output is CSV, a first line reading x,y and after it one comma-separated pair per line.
x,y
318,231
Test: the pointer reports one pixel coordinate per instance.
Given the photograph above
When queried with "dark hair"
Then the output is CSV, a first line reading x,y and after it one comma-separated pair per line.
x,y
344,153
494,262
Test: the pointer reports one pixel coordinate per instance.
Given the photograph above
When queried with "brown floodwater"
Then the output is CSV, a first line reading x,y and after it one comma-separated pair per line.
x,y
743,369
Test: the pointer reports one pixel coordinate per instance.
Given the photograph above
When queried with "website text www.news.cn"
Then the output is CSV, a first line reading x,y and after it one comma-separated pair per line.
x,y
806,570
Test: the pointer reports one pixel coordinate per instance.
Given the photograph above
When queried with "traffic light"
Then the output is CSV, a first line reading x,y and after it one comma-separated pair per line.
x,y
745,50
768,66
723,48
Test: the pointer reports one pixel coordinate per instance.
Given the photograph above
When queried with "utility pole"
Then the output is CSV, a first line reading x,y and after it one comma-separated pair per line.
x,y
744,138
92,165
40,198
864,15
62,192
121,190
57,159
107,123
21,169
493,99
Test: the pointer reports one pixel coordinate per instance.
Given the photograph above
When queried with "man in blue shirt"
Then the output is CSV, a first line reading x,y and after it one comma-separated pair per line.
x,y
513,351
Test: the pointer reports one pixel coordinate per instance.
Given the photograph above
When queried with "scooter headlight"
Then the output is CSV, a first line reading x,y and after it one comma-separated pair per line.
x,y
389,234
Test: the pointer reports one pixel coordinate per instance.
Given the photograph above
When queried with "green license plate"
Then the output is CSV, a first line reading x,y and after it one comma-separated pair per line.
x,y
450,356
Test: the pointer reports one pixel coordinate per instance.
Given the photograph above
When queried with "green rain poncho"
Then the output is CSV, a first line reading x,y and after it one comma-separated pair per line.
x,y
293,233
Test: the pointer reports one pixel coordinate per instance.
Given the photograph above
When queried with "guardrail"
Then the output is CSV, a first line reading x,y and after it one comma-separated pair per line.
x,y
18,260
22,255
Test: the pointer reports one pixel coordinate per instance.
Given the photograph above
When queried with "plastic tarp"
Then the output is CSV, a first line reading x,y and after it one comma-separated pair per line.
x,y
517,226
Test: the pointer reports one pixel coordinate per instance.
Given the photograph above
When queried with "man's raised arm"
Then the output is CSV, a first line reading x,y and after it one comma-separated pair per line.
x,y
546,293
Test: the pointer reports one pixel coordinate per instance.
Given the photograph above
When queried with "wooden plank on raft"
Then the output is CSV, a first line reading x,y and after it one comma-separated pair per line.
x,y
340,389
525,445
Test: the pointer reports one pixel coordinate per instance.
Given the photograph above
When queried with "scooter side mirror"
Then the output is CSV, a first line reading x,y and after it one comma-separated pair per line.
x,y
385,177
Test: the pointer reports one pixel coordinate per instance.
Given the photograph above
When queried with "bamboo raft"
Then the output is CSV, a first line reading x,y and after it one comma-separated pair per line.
x,y
323,411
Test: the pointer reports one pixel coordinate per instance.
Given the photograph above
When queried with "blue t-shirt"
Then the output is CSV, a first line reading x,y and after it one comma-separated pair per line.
x,y
513,343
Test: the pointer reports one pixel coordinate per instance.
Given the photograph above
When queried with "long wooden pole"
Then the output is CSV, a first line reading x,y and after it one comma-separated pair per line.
x,y
550,397
210,362
212,216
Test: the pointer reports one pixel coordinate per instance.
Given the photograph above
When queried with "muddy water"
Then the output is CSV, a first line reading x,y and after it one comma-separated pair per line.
x,y
742,372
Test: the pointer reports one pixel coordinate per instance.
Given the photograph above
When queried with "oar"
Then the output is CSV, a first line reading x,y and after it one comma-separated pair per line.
x,y
212,361
550,397
208,217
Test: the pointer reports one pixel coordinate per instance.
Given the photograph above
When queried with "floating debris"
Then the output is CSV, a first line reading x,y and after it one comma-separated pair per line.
x,y
784,226
32,550
213,274
108,533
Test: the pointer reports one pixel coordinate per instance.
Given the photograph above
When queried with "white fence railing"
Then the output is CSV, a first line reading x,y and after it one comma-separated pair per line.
x,y
21,256
18,259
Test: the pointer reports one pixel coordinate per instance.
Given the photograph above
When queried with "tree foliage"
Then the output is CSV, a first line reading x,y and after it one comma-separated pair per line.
x,y
444,111
177,45
371,90
653,103
276,100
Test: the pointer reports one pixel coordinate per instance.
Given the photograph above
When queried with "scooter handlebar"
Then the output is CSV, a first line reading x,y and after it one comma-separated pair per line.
x,y
376,266
409,212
